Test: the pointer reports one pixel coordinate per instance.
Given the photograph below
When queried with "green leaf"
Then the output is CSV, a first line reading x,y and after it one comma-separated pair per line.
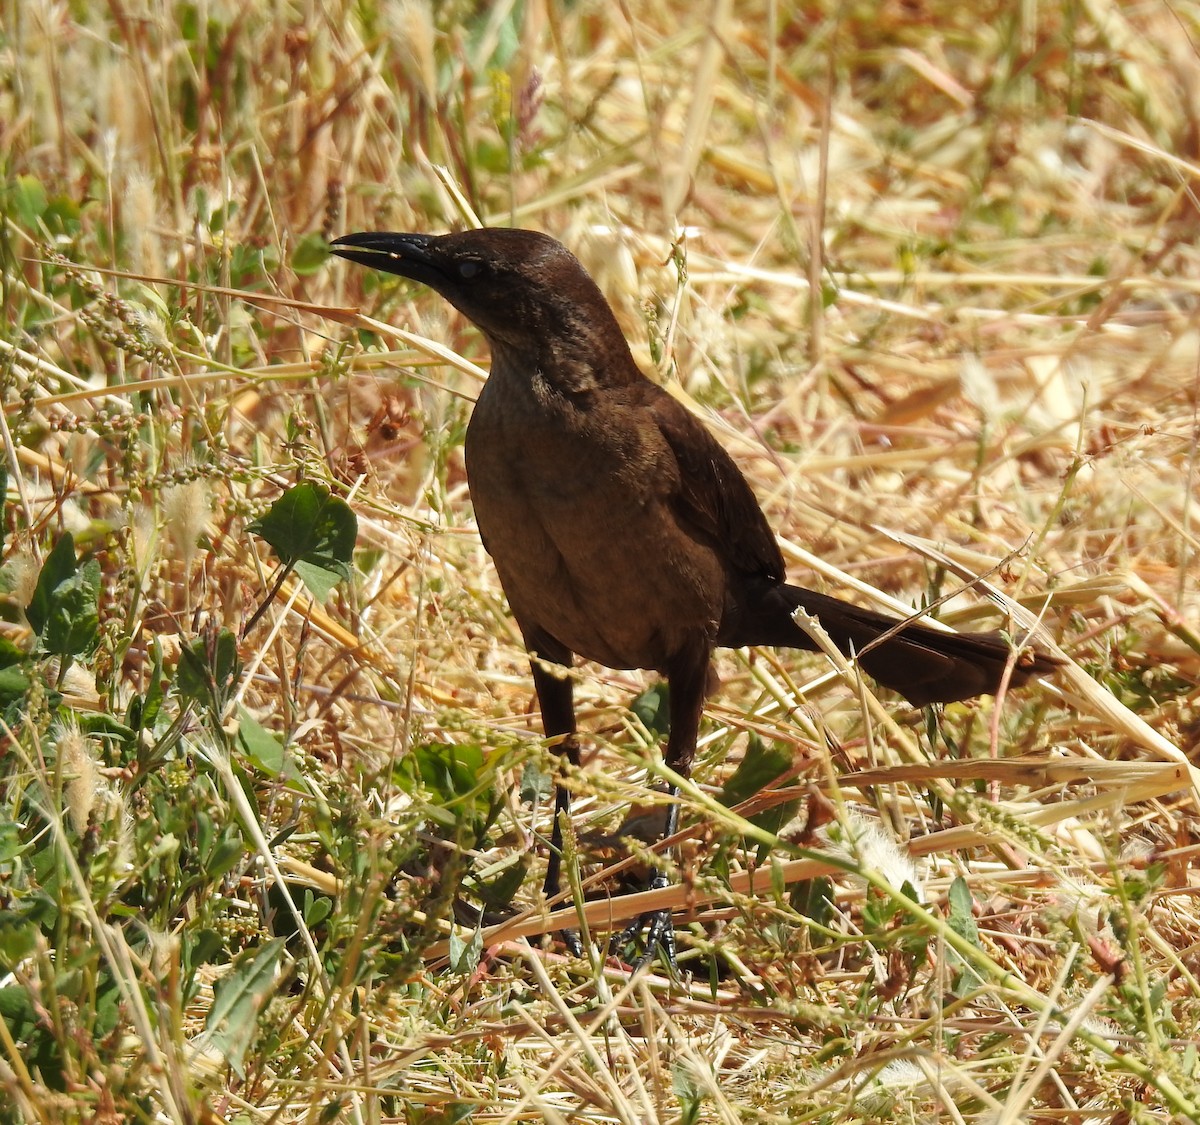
x,y
535,782
28,199
306,522
962,919
331,1112
58,567
99,725
18,939
652,707
39,1051
262,747
18,1012
198,948
320,580
65,608
763,763
143,709
225,855
307,525
449,772
232,1024
310,255
13,682
962,922
207,669
501,891
814,899
687,1090
74,623
11,843
316,908
456,782
464,955
14,674
61,215
108,1006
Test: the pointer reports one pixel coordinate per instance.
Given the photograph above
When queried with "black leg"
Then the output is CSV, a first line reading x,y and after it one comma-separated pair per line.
x,y
687,677
558,720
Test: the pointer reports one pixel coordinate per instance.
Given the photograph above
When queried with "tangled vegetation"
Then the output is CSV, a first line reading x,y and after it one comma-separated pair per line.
x,y
273,797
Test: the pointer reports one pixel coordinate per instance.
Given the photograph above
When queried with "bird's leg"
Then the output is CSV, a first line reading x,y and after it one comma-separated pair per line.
x,y
660,934
687,677
558,720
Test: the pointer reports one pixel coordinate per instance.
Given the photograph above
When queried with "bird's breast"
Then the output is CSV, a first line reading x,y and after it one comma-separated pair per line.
x,y
576,518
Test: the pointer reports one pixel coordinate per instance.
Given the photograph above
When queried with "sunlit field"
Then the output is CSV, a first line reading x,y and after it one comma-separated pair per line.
x,y
274,796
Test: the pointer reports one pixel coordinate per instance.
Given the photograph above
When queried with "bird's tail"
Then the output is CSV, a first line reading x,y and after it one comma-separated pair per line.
x,y
924,665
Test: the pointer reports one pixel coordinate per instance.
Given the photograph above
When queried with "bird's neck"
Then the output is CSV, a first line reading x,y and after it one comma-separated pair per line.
x,y
568,363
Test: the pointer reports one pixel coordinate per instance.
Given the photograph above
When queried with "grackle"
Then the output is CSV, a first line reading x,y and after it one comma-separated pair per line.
x,y
621,530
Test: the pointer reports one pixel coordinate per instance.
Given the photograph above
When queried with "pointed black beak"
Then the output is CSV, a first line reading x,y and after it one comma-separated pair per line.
x,y
409,255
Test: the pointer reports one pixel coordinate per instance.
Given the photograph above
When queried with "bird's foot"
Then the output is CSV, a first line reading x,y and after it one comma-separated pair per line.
x,y
656,930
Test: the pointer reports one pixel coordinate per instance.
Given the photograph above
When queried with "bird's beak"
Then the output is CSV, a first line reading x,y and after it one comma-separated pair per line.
x,y
408,255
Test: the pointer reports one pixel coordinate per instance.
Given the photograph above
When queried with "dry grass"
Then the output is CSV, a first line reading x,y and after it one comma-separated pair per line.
x,y
929,271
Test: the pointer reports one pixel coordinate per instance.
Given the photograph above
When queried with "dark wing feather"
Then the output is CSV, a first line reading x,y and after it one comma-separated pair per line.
x,y
713,495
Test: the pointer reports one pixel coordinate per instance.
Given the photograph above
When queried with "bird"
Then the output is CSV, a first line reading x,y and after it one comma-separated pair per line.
x,y
621,530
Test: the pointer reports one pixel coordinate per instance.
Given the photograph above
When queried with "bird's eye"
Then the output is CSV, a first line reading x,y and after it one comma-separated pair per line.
x,y
468,270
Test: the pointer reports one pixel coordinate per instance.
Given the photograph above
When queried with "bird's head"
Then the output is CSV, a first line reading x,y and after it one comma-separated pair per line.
x,y
521,288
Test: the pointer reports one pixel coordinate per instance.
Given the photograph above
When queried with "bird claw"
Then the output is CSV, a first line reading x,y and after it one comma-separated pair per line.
x,y
659,938
658,928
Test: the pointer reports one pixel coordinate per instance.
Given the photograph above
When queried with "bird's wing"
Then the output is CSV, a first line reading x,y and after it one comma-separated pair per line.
x,y
713,496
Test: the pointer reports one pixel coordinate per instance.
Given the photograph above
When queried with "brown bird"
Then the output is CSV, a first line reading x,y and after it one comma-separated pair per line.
x,y
621,530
